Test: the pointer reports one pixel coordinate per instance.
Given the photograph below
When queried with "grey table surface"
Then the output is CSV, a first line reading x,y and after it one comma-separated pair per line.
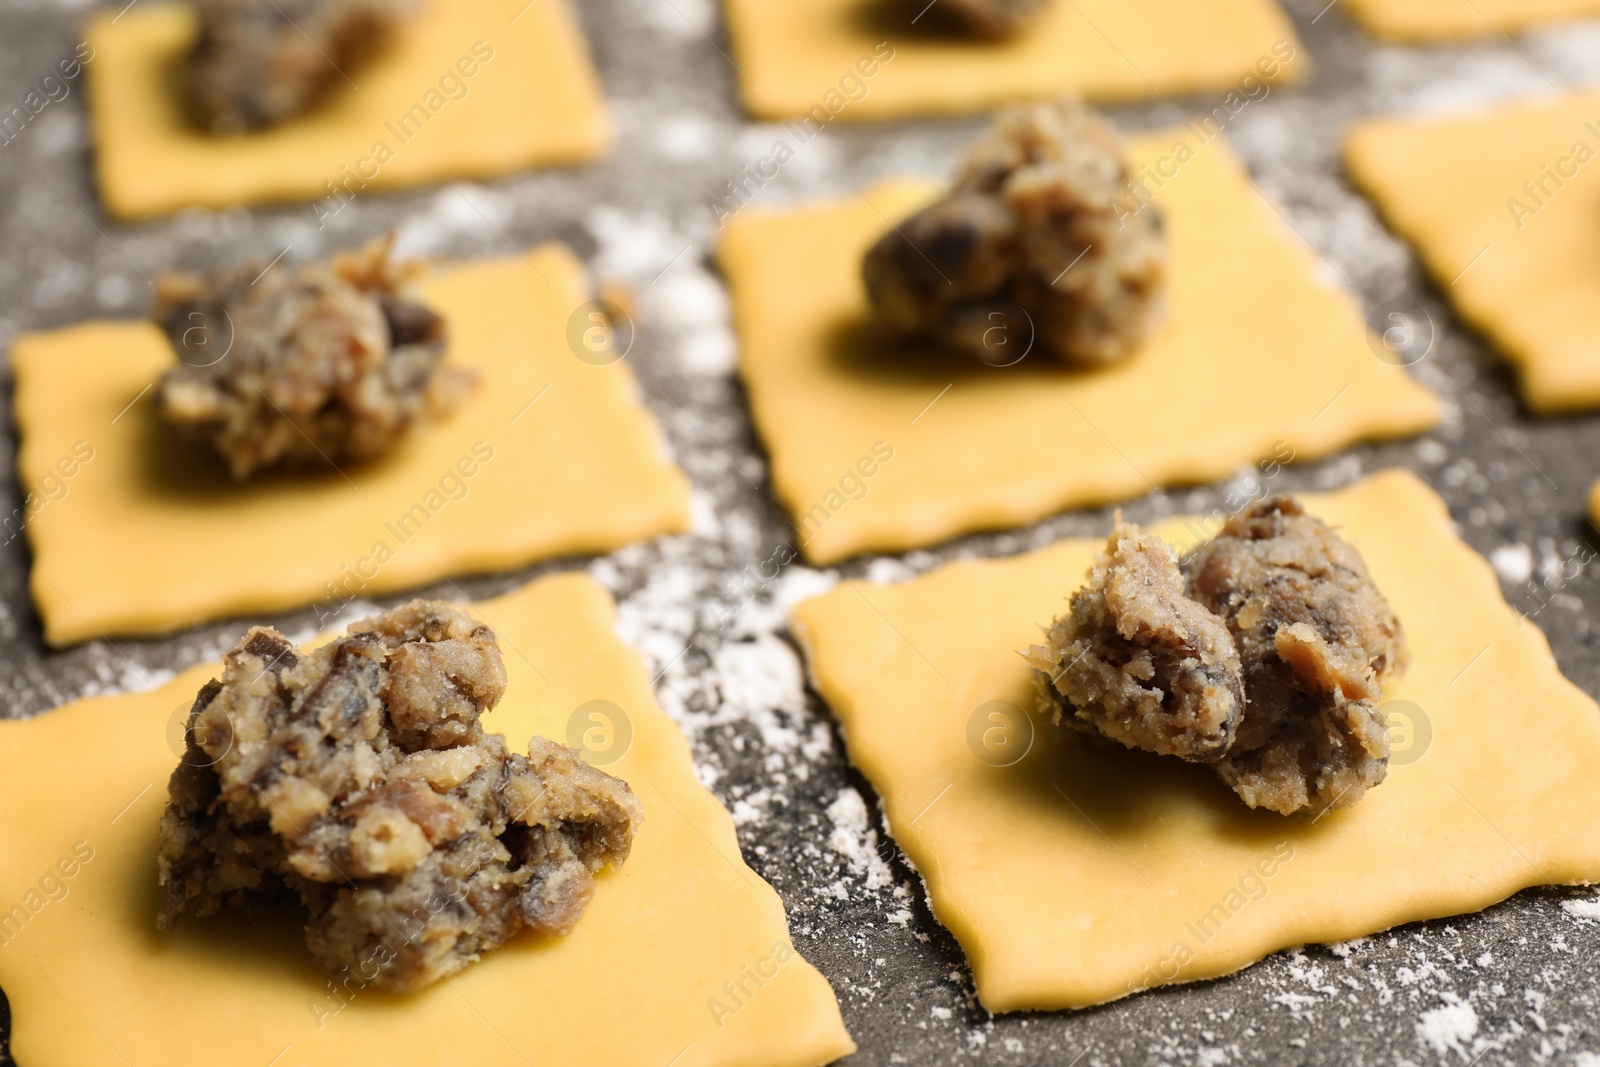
x,y
1513,984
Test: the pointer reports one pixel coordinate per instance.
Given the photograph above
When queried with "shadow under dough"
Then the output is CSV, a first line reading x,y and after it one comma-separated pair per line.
x,y
913,20
863,350
172,467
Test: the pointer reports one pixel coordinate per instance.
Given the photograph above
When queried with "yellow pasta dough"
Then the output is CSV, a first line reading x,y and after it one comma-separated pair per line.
x,y
1261,358
414,116
1502,207
551,455
1431,20
1081,872
1594,504
797,55
640,980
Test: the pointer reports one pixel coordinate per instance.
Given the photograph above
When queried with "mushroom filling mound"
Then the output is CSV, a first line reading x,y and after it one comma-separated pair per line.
x,y
259,63
327,363
357,779
1264,655
1034,248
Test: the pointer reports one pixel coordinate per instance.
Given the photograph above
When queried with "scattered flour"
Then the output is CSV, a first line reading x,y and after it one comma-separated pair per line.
x,y
684,138
1449,1028
690,303
687,20
795,584
1583,909
1432,452
1514,563
633,245
460,209
761,684
678,296
123,677
853,839
886,570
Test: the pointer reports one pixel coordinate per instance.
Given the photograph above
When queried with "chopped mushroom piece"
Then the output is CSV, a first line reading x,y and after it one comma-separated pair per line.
x,y
327,363
358,779
1038,245
1265,656
258,63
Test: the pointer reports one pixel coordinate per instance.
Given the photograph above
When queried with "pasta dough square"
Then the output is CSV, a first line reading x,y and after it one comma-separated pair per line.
x,y
1260,358
1431,20
532,98
1084,872
1500,207
796,55
638,980
549,456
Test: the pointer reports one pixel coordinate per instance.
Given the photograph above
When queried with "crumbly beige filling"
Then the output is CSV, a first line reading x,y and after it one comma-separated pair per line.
x,y
258,63
358,779
1318,640
1037,246
328,363
1141,662
1265,656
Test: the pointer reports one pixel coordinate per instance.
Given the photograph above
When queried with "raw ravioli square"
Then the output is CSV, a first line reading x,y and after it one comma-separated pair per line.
x,y
1261,357
1431,20
796,55
1085,872
1501,208
550,456
91,981
535,100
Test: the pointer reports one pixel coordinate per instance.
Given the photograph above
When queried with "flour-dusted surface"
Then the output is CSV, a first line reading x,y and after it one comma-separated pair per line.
x,y
1516,984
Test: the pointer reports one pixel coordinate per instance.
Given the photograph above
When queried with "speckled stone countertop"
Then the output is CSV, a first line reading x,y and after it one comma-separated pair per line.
x,y
1515,984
